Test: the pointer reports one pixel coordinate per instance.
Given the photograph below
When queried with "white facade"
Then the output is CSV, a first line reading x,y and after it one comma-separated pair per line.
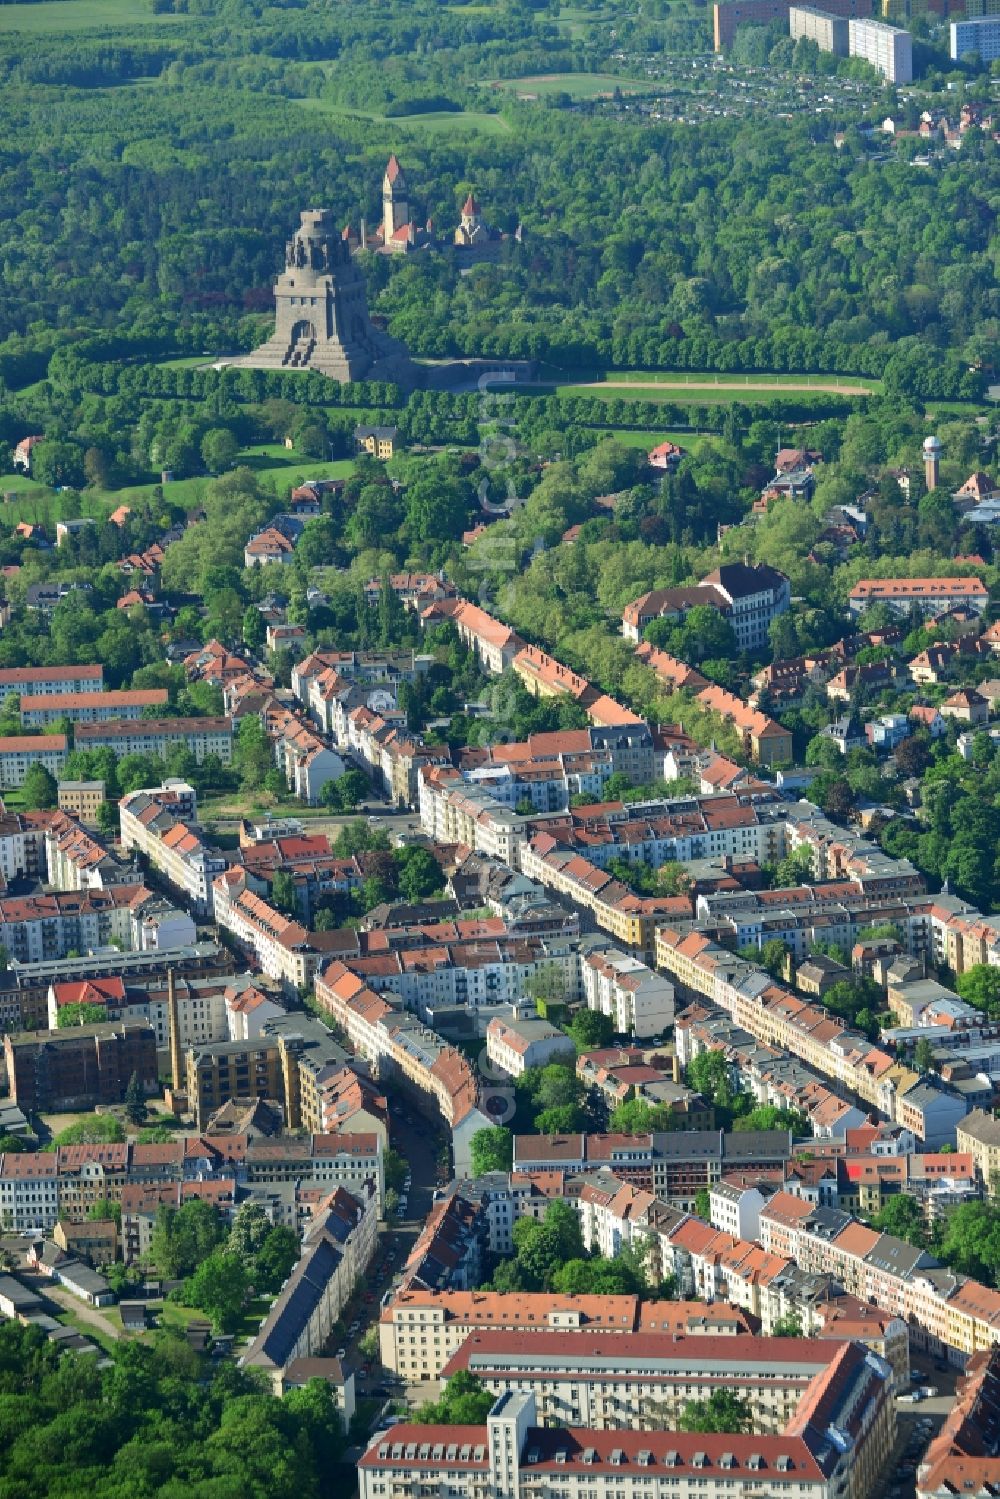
x,y
637,1000
514,1045
889,49
21,751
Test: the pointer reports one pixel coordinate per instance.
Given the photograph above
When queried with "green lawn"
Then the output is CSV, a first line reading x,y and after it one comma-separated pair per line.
x,y
710,377
692,441
443,122
577,85
691,395
81,15
253,1315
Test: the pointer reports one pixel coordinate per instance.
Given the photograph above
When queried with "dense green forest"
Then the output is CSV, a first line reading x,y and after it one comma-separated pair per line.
x,y
158,1422
150,176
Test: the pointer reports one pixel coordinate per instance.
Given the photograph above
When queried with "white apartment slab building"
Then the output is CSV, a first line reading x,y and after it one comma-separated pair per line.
x,y
889,49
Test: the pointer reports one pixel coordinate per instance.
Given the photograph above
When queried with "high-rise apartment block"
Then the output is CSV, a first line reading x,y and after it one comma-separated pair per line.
x,y
889,49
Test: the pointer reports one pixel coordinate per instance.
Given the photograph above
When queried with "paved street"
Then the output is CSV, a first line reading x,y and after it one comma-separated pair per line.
x,y
413,1138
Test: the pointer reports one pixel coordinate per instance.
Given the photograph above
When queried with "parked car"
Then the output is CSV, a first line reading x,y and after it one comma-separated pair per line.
x,y
929,1391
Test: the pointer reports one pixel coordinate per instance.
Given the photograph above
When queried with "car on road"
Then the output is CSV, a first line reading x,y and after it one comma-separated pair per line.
x,y
341,1352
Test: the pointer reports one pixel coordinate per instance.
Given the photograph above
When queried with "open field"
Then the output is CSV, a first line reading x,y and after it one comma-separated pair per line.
x,y
702,393
692,441
707,380
577,85
438,122
81,15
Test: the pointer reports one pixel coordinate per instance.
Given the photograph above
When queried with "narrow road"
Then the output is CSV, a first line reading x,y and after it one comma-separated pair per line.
x,y
79,1308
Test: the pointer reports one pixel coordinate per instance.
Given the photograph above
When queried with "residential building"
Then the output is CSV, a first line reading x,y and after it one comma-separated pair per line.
x,y
981,36
158,736
421,1329
41,711
728,15
377,442
637,1000
48,681
964,1454
336,1251
889,49
979,1134
82,799
929,595
159,822
19,752
513,1045
79,1068
616,1384
514,1455
829,32
230,1069
78,860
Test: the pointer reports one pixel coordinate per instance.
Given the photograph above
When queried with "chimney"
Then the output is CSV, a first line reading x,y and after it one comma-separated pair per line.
x,y
364,235
174,1031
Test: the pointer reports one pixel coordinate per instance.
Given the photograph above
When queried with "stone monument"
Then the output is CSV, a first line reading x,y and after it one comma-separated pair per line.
x,y
321,307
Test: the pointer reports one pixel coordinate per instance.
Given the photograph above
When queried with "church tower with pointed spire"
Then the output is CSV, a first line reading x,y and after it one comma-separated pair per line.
x,y
395,201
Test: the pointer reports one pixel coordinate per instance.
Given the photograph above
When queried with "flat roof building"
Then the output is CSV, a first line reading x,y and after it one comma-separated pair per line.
x,y
829,32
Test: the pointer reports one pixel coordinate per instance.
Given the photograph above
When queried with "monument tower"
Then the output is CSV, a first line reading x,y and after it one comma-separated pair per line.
x,y
321,312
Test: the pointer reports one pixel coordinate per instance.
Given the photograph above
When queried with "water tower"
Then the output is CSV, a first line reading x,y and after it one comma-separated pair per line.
x,y
932,459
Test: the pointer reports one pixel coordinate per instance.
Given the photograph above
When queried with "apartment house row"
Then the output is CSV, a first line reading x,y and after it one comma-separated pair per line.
x,y
41,711
837,1443
673,1166
392,754
280,946
964,1455
158,736
947,1313
337,1249
642,1380
329,684
719,1264
473,972
160,822
781,1019
39,1189
305,759
309,861
629,918
76,859
49,681
498,648
769,1073
35,928
397,1045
